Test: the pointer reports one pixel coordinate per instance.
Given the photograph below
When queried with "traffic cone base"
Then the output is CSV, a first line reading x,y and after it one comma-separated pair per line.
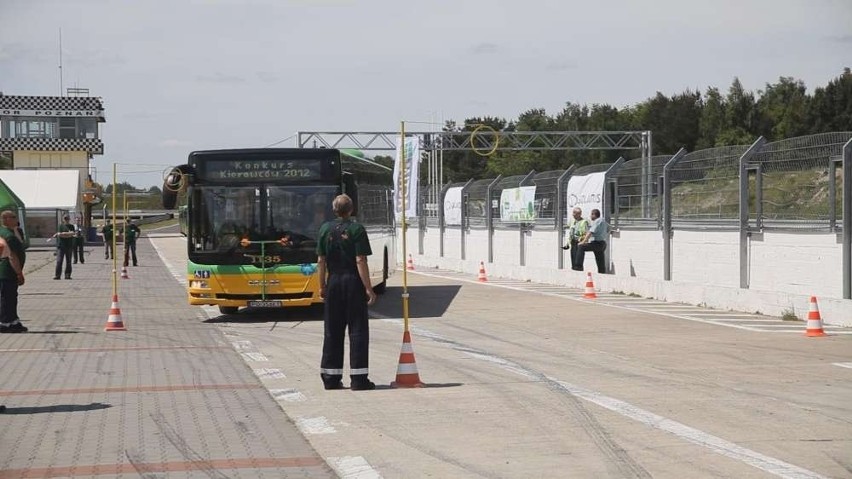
x,y
406,373
410,266
482,276
590,287
114,321
814,326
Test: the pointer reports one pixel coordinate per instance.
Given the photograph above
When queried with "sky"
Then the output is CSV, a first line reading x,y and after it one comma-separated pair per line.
x,y
183,75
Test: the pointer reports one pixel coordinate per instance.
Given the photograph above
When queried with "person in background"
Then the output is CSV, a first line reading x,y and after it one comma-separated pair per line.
x,y
107,233
64,246
577,228
131,233
11,273
79,242
595,240
342,249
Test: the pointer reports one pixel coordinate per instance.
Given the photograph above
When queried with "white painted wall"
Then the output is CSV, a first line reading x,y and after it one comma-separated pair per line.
x,y
785,268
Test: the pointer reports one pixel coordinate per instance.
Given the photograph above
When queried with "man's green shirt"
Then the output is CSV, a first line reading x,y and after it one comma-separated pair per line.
x,y
355,241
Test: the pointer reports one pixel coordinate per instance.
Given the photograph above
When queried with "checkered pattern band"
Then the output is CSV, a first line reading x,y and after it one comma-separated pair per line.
x,y
14,102
93,145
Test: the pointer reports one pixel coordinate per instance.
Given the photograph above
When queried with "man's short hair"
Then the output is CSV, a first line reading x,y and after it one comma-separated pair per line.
x,y
66,217
342,205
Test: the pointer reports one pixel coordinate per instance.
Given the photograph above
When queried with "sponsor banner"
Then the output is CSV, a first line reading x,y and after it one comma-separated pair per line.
x,y
586,192
453,206
412,173
517,204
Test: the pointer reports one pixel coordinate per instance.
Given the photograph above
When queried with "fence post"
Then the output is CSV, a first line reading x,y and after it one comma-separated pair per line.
x,y
667,213
560,213
847,220
489,220
441,222
523,227
744,233
606,207
464,220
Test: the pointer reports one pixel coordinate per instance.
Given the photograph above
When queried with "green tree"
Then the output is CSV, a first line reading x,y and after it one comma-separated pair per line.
x,y
712,120
831,107
782,110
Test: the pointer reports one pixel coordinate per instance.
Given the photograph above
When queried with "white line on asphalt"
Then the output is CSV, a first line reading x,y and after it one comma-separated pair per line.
x,y
254,356
582,300
269,373
695,436
315,425
288,395
843,365
353,467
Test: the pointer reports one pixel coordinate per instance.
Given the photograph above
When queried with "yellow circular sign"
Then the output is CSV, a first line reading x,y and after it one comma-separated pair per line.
x,y
173,180
490,131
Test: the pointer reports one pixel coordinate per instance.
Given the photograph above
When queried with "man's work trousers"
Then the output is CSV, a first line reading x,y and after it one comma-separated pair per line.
x,y
130,250
600,257
8,300
63,254
345,307
78,250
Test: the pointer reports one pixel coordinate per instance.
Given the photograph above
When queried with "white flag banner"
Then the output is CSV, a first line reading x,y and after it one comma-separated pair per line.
x,y
412,173
517,204
586,192
453,206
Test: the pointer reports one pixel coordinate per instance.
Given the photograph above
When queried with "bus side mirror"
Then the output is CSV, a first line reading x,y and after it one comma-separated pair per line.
x,y
176,181
351,189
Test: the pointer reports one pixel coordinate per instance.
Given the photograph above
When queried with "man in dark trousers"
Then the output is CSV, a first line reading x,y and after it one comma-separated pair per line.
x,y
342,249
11,273
107,232
64,246
131,233
79,242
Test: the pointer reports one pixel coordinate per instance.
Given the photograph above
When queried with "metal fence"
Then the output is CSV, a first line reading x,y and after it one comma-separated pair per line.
x,y
791,184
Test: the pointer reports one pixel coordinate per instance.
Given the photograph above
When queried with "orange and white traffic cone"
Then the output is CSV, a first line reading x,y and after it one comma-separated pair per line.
x,y
410,264
814,327
124,273
590,287
406,372
482,278
114,322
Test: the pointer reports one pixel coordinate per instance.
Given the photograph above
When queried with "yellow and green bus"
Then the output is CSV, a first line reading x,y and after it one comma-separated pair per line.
x,y
252,217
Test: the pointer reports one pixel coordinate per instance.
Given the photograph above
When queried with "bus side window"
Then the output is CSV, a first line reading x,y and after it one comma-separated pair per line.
x,y
351,189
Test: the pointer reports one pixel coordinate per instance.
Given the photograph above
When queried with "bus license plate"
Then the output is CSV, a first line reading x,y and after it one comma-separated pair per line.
x,y
269,303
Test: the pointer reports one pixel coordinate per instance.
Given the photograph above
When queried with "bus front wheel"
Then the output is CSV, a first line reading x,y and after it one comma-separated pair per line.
x,y
228,309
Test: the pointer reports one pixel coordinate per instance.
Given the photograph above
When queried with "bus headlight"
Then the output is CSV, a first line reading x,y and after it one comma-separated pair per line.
x,y
198,284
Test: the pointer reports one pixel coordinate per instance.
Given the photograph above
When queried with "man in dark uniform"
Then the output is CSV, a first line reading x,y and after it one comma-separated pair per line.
x,y
79,242
343,248
131,233
64,246
11,274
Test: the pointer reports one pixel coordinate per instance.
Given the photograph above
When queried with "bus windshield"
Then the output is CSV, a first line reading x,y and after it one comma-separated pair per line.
x,y
225,215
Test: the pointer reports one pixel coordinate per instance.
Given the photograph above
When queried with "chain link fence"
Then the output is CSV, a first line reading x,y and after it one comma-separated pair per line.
x,y
792,184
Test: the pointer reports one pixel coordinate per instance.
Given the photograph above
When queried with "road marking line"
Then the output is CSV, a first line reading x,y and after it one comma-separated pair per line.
x,y
254,356
843,365
289,395
353,467
315,425
690,434
269,373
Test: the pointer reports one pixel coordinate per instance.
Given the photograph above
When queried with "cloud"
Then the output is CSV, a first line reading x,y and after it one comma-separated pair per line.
x,y
560,65
173,143
267,77
485,49
843,38
219,77
11,52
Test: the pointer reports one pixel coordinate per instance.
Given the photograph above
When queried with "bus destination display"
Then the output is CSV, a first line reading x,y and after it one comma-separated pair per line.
x,y
260,170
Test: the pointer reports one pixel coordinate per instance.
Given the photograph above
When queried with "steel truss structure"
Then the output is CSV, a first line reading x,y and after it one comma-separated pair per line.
x,y
482,141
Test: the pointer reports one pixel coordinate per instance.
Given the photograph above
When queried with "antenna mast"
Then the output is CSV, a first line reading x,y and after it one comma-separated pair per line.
x,y
60,61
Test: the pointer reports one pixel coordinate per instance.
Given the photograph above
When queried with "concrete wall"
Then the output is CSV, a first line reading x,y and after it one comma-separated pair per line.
x,y
784,269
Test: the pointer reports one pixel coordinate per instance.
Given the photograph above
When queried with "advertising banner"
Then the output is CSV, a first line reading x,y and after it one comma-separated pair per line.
x,y
453,207
586,192
412,173
517,205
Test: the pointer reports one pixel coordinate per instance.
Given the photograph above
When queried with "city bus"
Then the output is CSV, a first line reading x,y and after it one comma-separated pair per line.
x,y
253,216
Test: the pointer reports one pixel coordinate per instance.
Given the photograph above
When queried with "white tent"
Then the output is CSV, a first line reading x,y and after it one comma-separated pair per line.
x,y
45,189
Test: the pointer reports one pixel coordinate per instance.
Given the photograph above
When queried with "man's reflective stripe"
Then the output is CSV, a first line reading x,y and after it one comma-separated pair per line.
x,y
332,371
356,372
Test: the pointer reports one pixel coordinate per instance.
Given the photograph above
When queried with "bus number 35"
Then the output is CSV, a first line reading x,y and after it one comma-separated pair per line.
x,y
258,259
